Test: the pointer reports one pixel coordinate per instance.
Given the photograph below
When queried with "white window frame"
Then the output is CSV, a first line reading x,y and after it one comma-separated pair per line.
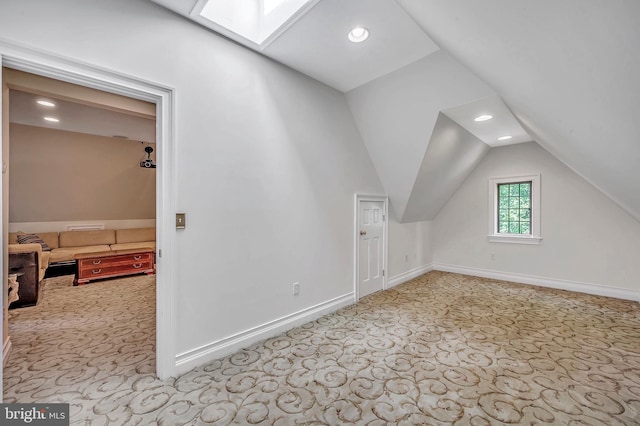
x,y
496,237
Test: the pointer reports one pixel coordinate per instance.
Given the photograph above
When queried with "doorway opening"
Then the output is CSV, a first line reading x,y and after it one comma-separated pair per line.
x,y
42,64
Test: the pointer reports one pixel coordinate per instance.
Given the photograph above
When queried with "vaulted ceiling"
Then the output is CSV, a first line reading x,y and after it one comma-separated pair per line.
x,y
565,74
568,71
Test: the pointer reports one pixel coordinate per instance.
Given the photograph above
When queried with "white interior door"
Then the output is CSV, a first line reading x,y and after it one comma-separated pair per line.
x,y
371,247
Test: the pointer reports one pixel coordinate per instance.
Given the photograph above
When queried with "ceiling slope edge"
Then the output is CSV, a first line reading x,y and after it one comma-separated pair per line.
x,y
504,59
397,113
452,154
542,140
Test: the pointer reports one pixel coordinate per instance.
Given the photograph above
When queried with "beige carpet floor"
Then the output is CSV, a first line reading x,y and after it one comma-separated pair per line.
x,y
440,349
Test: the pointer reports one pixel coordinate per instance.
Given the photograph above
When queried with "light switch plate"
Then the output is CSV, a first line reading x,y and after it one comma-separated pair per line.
x,y
181,220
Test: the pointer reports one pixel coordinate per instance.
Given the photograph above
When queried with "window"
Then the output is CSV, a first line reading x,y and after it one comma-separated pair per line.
x,y
514,214
514,208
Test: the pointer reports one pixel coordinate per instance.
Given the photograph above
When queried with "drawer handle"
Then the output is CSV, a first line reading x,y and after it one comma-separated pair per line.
x,y
97,262
137,257
93,271
137,265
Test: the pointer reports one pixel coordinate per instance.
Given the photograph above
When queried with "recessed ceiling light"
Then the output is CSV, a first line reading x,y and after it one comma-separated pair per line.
x,y
45,103
358,34
483,117
504,138
52,119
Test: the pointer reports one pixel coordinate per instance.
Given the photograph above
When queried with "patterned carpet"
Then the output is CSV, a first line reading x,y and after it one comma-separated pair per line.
x,y
441,349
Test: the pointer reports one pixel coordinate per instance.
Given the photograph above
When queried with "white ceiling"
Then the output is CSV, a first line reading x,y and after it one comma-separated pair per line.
x,y
503,122
564,74
568,70
397,116
316,44
79,118
397,83
451,155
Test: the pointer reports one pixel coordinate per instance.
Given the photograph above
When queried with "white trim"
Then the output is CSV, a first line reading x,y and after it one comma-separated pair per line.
x,y
4,259
223,347
25,58
356,239
496,237
560,284
409,275
513,239
6,350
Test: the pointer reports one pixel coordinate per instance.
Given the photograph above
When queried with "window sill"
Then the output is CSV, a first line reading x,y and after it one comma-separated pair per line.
x,y
514,239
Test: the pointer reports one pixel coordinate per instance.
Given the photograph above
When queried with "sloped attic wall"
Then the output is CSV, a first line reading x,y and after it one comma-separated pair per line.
x,y
267,162
589,243
568,70
396,115
451,155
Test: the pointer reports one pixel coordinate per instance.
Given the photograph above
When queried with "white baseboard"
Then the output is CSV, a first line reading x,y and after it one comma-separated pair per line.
x,y
218,349
409,275
580,287
223,347
6,350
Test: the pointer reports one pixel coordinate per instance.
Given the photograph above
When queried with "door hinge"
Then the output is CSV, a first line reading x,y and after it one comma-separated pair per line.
x,y
383,272
384,217
159,252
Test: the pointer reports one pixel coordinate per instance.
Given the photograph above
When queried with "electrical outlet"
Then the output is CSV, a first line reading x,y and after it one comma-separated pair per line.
x,y
296,289
493,256
406,257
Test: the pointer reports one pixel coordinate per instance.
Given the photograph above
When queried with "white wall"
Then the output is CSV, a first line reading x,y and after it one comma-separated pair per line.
x,y
568,70
396,115
452,153
410,250
587,239
268,161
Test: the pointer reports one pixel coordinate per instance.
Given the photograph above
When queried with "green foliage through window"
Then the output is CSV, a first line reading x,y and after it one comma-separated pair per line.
x,y
514,208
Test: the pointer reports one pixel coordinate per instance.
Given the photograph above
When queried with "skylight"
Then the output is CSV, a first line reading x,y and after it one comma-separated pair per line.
x,y
256,21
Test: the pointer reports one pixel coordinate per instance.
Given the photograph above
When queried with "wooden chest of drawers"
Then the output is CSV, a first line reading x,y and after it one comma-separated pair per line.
x,y
109,264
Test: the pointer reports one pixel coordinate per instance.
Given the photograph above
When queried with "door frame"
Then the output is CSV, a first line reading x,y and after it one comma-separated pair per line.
x,y
58,67
358,198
